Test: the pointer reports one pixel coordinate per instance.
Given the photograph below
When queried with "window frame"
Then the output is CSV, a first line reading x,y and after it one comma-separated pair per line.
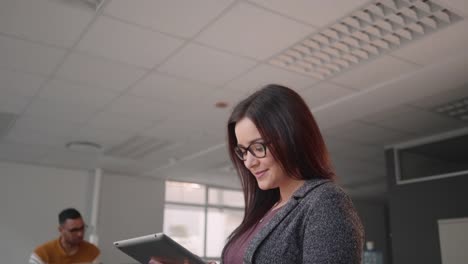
x,y
206,207
398,148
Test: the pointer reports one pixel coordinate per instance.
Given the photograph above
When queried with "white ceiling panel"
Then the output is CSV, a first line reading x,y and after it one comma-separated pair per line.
x,y
387,114
45,125
430,102
174,130
190,18
264,74
66,111
421,122
23,84
316,13
202,64
74,93
440,45
53,22
426,81
211,159
374,72
156,68
214,127
140,107
253,32
119,122
365,133
189,151
23,152
13,103
127,43
99,72
207,119
29,57
210,119
170,89
31,137
324,93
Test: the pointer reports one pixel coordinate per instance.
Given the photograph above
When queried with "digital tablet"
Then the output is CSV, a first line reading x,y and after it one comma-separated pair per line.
x,y
160,246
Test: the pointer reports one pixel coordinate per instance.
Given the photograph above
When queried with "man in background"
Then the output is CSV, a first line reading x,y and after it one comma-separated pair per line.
x,y
70,246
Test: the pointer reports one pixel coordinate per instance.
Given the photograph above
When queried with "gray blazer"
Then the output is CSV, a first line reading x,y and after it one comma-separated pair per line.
x,y
318,225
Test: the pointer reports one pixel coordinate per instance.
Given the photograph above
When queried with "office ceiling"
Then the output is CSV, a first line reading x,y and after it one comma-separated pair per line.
x,y
141,78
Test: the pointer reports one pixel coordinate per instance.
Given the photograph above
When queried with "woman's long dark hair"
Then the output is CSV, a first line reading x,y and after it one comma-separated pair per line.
x,y
283,119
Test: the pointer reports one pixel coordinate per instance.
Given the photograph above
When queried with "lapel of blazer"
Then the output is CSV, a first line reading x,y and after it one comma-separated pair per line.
x,y
280,215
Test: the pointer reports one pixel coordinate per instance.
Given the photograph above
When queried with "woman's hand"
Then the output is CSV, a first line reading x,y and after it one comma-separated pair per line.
x,y
161,260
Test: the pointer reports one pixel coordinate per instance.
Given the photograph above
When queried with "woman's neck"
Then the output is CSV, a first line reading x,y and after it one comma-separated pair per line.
x,y
287,189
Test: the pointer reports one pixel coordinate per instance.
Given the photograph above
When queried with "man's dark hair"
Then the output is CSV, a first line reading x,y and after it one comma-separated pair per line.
x,y
69,213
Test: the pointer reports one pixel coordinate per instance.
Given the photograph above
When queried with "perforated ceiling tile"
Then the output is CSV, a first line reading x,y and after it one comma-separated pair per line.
x,y
457,109
374,30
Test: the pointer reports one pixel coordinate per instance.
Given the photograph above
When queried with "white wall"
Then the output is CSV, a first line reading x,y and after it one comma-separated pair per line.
x,y
30,199
130,207
453,235
32,196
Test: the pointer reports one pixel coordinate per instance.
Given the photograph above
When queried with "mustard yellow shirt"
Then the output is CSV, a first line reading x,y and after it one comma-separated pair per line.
x,y
53,253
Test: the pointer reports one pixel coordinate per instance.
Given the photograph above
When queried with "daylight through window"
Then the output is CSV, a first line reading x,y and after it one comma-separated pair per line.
x,y
201,217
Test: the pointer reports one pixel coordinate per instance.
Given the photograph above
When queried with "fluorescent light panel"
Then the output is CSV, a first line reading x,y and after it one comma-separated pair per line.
x,y
372,31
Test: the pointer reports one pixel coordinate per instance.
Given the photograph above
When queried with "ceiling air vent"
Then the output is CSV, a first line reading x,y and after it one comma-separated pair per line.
x,y
137,148
457,109
6,122
372,31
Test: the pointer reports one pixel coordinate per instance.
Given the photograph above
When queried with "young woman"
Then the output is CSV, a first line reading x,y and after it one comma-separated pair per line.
x,y
294,213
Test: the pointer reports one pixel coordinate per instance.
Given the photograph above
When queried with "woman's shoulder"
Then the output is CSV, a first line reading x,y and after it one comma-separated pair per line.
x,y
329,203
327,195
320,188
331,220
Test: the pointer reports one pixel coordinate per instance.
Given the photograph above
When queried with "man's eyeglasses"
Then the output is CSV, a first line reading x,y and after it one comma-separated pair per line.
x,y
257,149
77,229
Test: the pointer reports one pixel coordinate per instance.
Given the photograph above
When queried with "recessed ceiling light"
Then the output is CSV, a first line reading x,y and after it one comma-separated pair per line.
x,y
221,104
374,30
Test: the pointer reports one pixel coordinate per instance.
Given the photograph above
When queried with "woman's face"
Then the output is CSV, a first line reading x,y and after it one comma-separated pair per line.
x,y
267,170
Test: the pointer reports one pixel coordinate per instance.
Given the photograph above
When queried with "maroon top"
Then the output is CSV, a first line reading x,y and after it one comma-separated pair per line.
x,y
234,253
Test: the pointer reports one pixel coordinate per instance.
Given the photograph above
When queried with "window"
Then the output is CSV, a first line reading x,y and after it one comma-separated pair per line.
x,y
431,158
201,217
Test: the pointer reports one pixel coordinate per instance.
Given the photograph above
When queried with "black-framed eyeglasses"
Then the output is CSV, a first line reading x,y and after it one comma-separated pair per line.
x,y
77,229
257,149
